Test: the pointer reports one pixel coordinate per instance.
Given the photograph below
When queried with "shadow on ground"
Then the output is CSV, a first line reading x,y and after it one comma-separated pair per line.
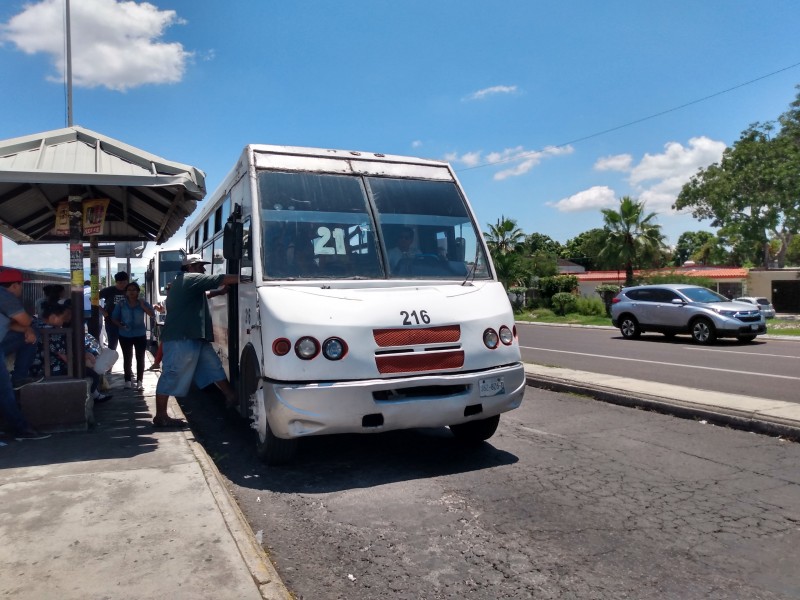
x,y
335,462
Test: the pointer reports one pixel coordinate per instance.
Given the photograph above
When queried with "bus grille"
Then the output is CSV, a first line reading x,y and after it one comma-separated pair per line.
x,y
409,337
413,350
420,361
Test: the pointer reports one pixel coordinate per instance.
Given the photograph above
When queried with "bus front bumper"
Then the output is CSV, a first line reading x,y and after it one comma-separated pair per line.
x,y
299,410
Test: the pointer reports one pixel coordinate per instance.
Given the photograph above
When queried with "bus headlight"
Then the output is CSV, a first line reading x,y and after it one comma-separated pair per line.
x,y
506,336
490,339
306,348
334,348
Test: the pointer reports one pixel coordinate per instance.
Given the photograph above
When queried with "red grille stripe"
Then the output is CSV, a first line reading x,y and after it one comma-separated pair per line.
x,y
421,361
409,337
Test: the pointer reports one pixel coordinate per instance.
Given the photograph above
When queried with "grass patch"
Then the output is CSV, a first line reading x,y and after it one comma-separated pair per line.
x,y
544,315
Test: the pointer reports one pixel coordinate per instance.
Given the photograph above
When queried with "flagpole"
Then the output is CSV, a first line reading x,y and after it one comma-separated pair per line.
x,y
69,69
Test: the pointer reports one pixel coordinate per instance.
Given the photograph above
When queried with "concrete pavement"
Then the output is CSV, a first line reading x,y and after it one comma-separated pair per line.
x,y
774,417
129,511
124,511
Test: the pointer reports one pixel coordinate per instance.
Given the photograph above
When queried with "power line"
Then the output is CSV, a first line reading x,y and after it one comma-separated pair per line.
x,y
630,123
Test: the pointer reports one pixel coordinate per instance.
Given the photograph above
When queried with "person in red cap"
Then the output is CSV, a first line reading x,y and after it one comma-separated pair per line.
x,y
18,336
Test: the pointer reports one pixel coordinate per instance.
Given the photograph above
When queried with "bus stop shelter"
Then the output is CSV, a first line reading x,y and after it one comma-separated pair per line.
x,y
80,187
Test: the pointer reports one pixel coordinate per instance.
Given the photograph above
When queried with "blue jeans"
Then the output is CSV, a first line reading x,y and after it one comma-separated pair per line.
x,y
14,341
25,353
112,333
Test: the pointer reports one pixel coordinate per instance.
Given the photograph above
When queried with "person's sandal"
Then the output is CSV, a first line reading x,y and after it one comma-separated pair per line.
x,y
168,422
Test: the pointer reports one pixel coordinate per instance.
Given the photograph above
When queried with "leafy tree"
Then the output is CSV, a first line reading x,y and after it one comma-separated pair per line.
x,y
688,244
754,191
793,253
509,268
584,249
541,264
503,237
550,286
633,239
539,242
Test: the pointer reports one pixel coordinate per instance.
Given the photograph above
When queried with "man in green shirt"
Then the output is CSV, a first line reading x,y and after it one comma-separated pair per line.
x,y
187,336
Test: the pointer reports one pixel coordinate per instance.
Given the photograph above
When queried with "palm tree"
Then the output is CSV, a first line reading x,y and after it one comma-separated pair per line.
x,y
632,236
503,237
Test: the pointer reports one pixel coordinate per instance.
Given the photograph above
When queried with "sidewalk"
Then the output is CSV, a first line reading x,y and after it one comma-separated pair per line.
x,y
775,417
124,511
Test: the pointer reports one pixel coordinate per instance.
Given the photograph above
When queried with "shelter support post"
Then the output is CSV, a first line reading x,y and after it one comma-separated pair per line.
x,y
94,277
76,279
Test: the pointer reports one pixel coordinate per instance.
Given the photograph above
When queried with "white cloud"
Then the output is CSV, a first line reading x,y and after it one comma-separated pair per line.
x,y
491,91
523,160
620,162
595,198
656,180
115,44
666,173
416,144
678,160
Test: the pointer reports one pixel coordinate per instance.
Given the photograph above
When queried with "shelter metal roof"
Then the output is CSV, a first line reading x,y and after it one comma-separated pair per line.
x,y
150,197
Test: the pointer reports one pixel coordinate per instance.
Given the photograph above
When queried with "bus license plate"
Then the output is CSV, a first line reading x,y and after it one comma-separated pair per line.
x,y
754,327
492,387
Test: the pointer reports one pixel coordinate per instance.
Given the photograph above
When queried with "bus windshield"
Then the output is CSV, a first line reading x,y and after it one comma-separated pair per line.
x,y
169,265
347,226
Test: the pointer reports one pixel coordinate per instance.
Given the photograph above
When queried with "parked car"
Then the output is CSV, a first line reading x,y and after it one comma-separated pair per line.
x,y
763,303
675,308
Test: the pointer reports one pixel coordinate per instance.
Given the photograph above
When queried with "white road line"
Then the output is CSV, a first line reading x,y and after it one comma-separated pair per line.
x,y
740,352
669,364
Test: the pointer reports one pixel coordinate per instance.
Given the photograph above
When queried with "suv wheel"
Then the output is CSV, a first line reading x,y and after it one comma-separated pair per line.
x,y
703,331
629,327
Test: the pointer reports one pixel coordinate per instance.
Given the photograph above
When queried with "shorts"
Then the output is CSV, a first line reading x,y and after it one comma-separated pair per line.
x,y
187,361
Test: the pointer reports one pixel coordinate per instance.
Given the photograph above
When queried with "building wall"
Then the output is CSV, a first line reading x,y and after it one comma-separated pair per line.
x,y
780,286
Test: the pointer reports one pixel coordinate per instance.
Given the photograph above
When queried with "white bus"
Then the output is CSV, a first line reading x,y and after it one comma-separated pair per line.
x,y
161,271
341,326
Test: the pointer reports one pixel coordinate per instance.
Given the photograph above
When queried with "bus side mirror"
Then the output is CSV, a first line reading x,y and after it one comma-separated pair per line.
x,y
232,241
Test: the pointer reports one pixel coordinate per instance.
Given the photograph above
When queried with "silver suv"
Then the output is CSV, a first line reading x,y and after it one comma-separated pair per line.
x,y
674,308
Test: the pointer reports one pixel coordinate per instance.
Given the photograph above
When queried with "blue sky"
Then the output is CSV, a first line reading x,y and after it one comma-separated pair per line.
x,y
511,93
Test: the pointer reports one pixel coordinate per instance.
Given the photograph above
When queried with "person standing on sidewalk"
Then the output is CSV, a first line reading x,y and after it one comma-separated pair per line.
x,y
128,316
111,296
187,336
18,336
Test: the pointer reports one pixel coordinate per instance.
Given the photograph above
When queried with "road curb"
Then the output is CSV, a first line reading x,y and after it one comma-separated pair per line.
x,y
256,560
680,408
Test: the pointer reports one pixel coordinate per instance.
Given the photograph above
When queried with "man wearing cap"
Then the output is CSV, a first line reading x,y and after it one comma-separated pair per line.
x,y
111,296
187,336
18,336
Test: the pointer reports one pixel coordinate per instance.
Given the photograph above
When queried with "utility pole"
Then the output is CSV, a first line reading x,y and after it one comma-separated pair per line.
x,y
69,68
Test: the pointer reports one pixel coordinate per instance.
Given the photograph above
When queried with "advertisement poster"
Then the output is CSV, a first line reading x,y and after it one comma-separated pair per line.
x,y
62,219
94,215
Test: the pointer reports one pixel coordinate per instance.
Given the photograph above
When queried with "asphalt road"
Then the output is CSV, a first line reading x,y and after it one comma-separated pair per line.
x,y
572,498
766,368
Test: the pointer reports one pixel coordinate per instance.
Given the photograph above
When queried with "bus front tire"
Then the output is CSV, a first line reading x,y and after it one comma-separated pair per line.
x,y
274,450
473,432
270,449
